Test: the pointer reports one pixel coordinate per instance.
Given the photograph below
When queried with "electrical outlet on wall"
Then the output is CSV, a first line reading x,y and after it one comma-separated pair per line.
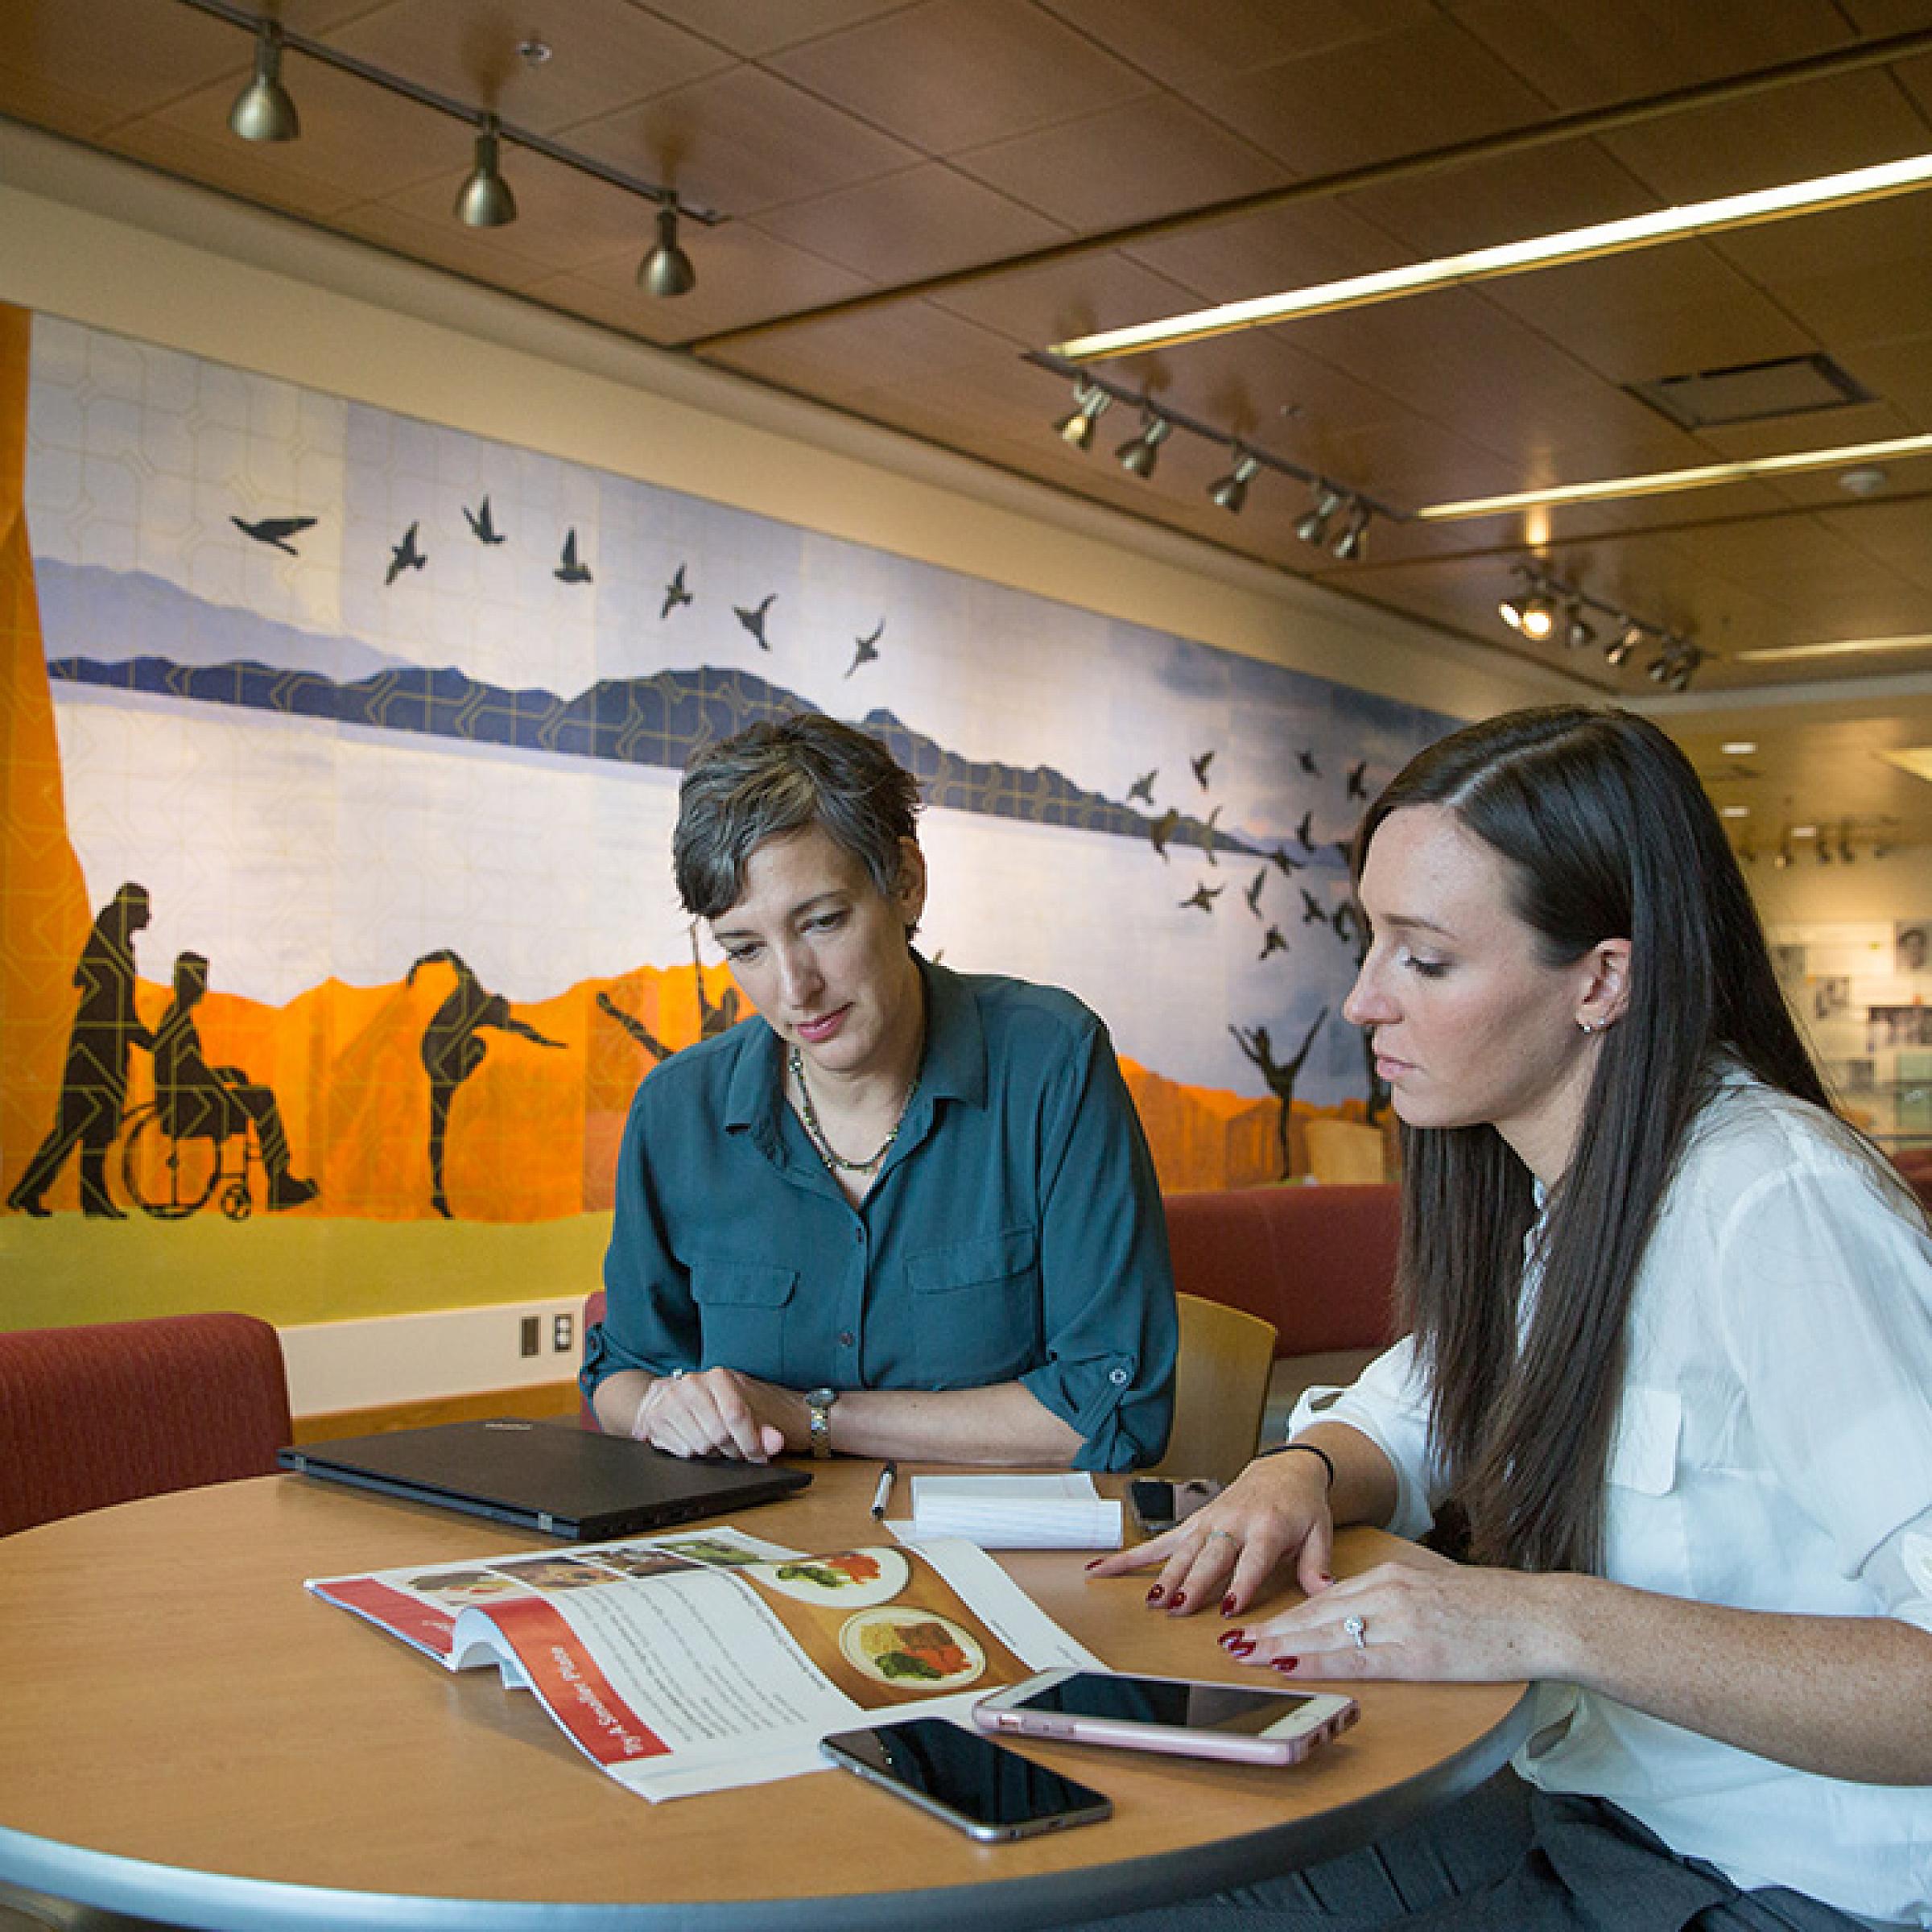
x,y
532,1341
563,1332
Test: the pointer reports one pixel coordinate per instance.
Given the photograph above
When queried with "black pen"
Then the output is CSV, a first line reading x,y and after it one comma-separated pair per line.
x,y
883,1493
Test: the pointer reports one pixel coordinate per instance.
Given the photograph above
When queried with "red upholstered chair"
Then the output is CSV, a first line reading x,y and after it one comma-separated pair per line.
x,y
106,1413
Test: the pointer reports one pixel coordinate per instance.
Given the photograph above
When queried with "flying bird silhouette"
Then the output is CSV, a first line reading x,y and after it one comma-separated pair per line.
x,y
753,620
404,556
1343,923
1308,764
1274,942
1314,912
1252,894
1305,831
275,530
570,571
868,648
1203,896
1209,834
1142,787
674,594
481,526
1200,767
1288,867
1356,788
1161,830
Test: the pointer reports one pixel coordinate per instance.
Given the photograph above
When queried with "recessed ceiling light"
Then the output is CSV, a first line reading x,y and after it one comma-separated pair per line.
x,y
1514,258
1804,832
1736,812
1663,482
1739,747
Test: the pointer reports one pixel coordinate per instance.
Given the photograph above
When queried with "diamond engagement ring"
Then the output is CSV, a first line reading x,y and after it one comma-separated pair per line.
x,y
1358,1631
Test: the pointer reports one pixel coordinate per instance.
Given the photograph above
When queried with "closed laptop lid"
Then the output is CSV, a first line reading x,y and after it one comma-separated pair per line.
x,y
563,1481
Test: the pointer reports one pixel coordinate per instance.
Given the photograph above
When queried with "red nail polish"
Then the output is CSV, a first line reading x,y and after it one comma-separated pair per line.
x,y
1327,1578
1228,1606
1284,1663
1244,1649
1154,1595
1095,1563
1230,1638
1179,1600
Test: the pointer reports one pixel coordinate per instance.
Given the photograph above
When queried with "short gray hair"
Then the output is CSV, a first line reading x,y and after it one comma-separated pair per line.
x,y
782,776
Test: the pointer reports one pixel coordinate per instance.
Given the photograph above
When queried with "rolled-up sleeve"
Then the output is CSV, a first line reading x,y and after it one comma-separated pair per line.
x,y
1107,1285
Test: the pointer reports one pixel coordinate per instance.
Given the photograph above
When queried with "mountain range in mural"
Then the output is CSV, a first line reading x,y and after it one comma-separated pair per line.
x,y
660,719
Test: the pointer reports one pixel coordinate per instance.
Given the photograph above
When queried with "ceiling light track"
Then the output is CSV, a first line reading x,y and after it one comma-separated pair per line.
x,y
1339,520
264,112
1542,606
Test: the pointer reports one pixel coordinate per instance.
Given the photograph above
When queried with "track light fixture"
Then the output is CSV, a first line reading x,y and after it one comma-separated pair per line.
x,y
262,110
1230,492
1312,528
1139,453
1353,535
1543,605
1076,426
666,270
485,200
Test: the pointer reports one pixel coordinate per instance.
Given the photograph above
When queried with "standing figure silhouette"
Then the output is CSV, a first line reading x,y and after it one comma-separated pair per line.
x,y
94,1083
1280,1077
451,1052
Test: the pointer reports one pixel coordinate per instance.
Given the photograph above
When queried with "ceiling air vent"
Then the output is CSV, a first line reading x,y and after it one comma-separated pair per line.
x,y
1752,391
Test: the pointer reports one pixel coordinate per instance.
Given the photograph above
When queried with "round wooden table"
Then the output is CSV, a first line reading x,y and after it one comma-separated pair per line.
x,y
187,1735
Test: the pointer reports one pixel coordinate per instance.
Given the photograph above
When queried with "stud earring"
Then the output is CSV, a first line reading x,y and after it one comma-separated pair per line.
x,y
1589,1025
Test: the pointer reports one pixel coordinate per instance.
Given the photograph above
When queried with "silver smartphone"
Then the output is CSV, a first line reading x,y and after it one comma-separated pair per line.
x,y
1190,1718
977,1786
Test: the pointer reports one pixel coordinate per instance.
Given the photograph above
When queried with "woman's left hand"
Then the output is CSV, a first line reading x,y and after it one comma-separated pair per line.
x,y
1434,1621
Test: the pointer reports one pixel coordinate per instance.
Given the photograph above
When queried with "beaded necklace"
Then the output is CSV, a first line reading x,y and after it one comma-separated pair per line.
x,y
836,1162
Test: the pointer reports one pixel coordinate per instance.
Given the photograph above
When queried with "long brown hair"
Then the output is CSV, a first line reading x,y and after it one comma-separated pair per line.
x,y
1607,834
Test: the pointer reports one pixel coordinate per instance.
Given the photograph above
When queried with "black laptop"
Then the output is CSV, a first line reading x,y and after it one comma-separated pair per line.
x,y
567,1482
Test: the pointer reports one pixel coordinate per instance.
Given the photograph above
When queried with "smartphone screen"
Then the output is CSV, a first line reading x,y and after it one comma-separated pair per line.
x,y
1159,1505
970,1780
1227,1708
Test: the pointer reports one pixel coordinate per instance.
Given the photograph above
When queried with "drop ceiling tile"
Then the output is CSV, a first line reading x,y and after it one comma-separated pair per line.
x,y
922,221
1589,56
1424,87
1291,247
604,55
1042,305
752,28
844,355
489,255
741,141
1227,40
52,68
955,74
1130,163
1901,371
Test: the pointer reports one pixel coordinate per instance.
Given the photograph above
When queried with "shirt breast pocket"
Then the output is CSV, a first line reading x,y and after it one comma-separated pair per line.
x,y
976,1305
1644,1531
742,1311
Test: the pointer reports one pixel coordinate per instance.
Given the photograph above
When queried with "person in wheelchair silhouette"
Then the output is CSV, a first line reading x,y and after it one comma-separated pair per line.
x,y
196,1099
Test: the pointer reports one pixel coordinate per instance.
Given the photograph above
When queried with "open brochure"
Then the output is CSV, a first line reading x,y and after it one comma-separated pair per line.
x,y
700,1661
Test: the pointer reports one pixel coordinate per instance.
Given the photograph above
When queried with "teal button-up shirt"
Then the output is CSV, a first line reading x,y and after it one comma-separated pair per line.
x,y
1014,1231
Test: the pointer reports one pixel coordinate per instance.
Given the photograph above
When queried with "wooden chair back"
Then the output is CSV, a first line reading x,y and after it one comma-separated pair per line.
x,y
1220,1390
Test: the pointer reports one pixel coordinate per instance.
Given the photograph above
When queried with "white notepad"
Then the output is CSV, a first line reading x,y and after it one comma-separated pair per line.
x,y
1014,1511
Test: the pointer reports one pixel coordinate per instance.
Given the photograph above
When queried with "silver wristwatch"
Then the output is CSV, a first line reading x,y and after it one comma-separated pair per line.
x,y
818,1407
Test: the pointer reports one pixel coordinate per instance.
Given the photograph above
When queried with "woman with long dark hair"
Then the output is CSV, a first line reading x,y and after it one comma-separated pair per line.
x,y
1670,1354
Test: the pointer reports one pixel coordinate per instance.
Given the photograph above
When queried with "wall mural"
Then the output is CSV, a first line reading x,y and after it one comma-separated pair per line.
x,y
345,751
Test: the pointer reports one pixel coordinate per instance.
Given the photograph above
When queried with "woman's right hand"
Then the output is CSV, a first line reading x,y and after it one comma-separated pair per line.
x,y
1275,1511
709,1411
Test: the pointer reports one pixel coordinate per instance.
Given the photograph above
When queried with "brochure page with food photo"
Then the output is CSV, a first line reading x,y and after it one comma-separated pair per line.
x,y
696,1662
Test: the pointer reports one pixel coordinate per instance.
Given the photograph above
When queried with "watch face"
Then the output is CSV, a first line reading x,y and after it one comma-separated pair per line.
x,y
821,1398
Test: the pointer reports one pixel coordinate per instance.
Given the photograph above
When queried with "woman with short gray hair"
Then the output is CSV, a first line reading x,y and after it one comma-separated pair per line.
x,y
904,1211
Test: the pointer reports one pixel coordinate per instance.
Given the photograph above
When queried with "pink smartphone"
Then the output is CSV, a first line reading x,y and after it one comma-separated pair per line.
x,y
1171,1714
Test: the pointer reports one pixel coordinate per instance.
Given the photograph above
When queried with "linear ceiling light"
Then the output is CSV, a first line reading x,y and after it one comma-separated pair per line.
x,y
1840,647
1663,481
1728,212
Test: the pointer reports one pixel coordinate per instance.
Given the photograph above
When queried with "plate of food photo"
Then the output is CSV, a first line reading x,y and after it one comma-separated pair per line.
x,y
853,1579
911,1650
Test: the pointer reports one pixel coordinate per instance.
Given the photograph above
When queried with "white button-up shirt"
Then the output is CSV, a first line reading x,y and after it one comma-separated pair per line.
x,y
1773,1451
